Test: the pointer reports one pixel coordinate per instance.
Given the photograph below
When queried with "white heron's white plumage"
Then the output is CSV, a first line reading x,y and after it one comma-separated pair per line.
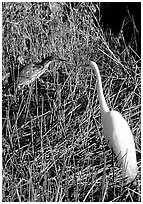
x,y
117,131
120,138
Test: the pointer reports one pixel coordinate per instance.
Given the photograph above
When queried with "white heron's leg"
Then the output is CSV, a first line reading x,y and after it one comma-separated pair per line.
x,y
113,163
104,182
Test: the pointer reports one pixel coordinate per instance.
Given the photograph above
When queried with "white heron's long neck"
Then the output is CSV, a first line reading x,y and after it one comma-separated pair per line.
x,y
103,105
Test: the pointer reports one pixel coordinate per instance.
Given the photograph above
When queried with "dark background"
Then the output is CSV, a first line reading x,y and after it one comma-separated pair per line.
x,y
113,15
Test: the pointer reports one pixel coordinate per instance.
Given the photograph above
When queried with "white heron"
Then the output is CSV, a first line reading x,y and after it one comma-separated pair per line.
x,y
117,132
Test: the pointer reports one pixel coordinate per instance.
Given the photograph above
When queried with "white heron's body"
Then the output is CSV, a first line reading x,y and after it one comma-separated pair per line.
x,y
119,136
117,132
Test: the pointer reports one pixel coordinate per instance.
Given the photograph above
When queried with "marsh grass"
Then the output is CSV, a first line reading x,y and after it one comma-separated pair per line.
x,y
53,141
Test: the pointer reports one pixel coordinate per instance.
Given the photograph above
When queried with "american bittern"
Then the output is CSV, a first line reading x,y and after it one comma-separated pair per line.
x,y
31,72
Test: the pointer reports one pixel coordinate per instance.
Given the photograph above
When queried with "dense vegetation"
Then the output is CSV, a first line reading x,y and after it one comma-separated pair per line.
x,y
53,142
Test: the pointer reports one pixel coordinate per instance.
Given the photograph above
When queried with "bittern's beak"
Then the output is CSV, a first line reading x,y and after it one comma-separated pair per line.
x,y
53,58
61,59
65,60
86,65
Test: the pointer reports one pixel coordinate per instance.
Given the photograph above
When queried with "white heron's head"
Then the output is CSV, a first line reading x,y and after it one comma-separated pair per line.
x,y
92,65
